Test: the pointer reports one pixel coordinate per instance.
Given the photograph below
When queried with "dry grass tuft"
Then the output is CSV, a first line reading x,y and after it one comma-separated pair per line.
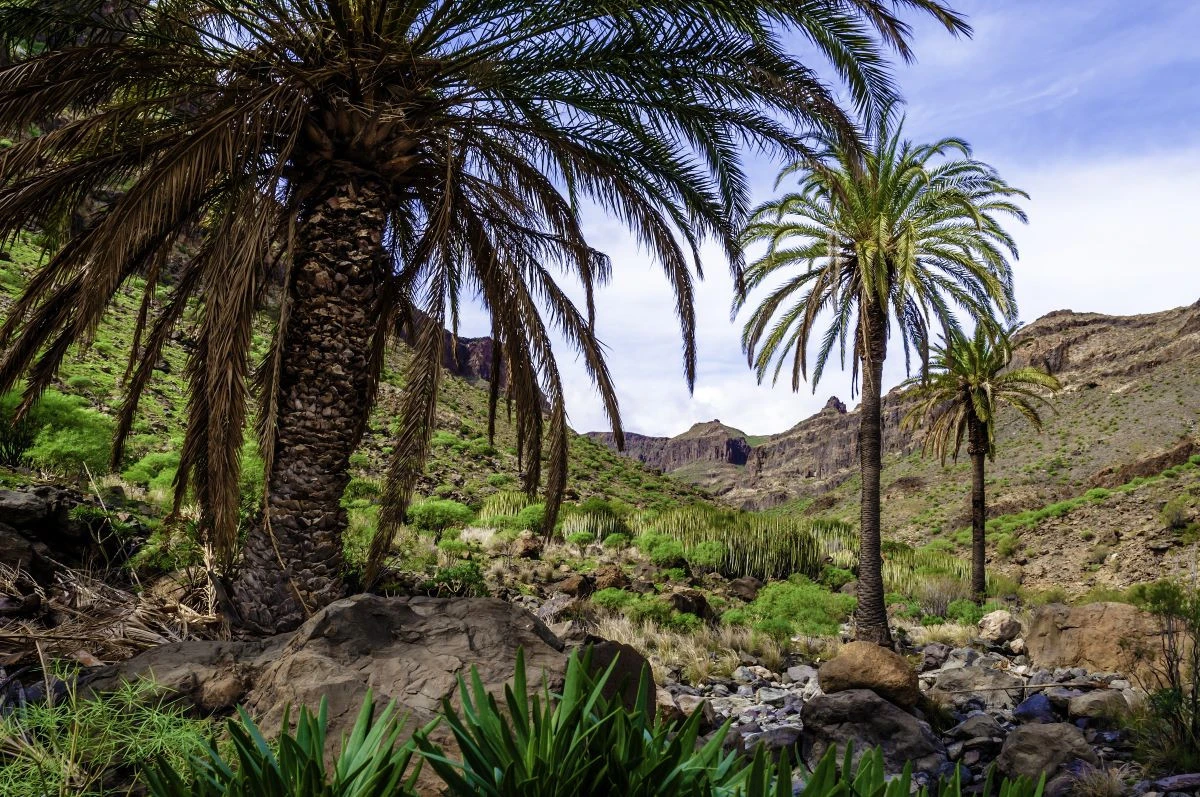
x,y
952,634
1100,782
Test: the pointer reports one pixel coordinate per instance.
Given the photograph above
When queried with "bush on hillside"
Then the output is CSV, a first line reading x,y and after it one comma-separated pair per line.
x,y
60,433
660,549
794,607
1167,731
531,517
1176,514
436,515
707,556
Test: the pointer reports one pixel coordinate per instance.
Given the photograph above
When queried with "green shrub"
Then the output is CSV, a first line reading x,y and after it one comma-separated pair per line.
x,y
464,579
1167,731
454,548
362,488
444,440
613,599
481,447
436,515
835,577
1176,514
59,433
532,517
616,541
15,439
796,606
581,539
156,469
499,480
77,746
660,549
370,762
706,556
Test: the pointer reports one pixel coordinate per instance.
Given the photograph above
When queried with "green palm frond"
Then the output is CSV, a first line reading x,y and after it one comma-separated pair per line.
x,y
968,381
912,230
488,125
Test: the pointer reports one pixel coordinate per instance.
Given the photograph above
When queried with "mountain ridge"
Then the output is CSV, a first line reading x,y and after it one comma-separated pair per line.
x,y
1087,351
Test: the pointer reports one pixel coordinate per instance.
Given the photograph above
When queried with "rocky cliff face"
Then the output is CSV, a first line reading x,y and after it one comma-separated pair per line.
x,y
704,442
1132,388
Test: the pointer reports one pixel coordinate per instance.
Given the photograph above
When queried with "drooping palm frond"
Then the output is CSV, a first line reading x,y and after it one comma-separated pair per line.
x,y
490,125
969,380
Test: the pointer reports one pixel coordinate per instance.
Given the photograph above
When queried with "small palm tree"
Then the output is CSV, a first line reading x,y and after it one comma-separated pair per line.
x,y
389,158
967,384
887,239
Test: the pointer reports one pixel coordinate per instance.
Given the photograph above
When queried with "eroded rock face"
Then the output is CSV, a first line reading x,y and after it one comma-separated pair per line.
x,y
861,717
704,442
1096,636
863,665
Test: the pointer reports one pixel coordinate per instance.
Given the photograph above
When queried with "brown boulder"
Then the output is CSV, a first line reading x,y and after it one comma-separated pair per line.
x,y
863,665
746,588
527,546
861,718
610,577
577,584
689,601
1101,637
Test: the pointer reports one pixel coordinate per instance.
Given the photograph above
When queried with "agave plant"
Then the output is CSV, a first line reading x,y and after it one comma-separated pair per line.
x,y
371,763
578,743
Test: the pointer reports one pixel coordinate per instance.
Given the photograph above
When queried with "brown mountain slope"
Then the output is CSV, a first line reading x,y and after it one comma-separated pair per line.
x,y
1132,387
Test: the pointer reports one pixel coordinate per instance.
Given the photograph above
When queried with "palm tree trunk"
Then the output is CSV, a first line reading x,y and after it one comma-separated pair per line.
x,y
978,450
871,619
293,562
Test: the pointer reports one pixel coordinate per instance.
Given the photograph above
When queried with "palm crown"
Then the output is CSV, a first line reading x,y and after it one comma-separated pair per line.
x,y
390,158
969,381
907,230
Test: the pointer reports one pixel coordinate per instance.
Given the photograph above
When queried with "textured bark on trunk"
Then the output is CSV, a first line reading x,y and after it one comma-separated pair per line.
x,y
293,566
978,450
871,620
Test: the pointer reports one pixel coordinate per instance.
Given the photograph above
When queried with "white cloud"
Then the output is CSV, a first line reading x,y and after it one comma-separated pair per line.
x,y
1108,236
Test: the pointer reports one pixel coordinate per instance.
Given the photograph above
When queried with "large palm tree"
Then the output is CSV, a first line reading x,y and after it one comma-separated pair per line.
x,y
893,238
390,158
968,382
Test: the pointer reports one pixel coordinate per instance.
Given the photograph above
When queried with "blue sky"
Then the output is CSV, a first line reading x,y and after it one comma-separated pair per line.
x,y
1092,106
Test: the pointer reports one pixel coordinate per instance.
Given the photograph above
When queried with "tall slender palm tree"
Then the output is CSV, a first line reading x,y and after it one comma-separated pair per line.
x,y
967,384
390,158
890,238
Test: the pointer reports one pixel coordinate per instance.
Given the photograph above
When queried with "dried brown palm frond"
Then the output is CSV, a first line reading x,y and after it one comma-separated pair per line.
x,y
77,616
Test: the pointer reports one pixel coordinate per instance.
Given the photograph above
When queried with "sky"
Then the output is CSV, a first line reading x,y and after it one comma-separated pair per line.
x,y
1091,106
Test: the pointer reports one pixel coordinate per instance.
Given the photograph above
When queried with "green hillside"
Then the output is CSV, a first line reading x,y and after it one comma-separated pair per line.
x,y
463,466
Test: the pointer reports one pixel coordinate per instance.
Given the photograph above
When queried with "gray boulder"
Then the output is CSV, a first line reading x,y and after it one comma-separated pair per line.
x,y
995,689
1033,750
863,718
